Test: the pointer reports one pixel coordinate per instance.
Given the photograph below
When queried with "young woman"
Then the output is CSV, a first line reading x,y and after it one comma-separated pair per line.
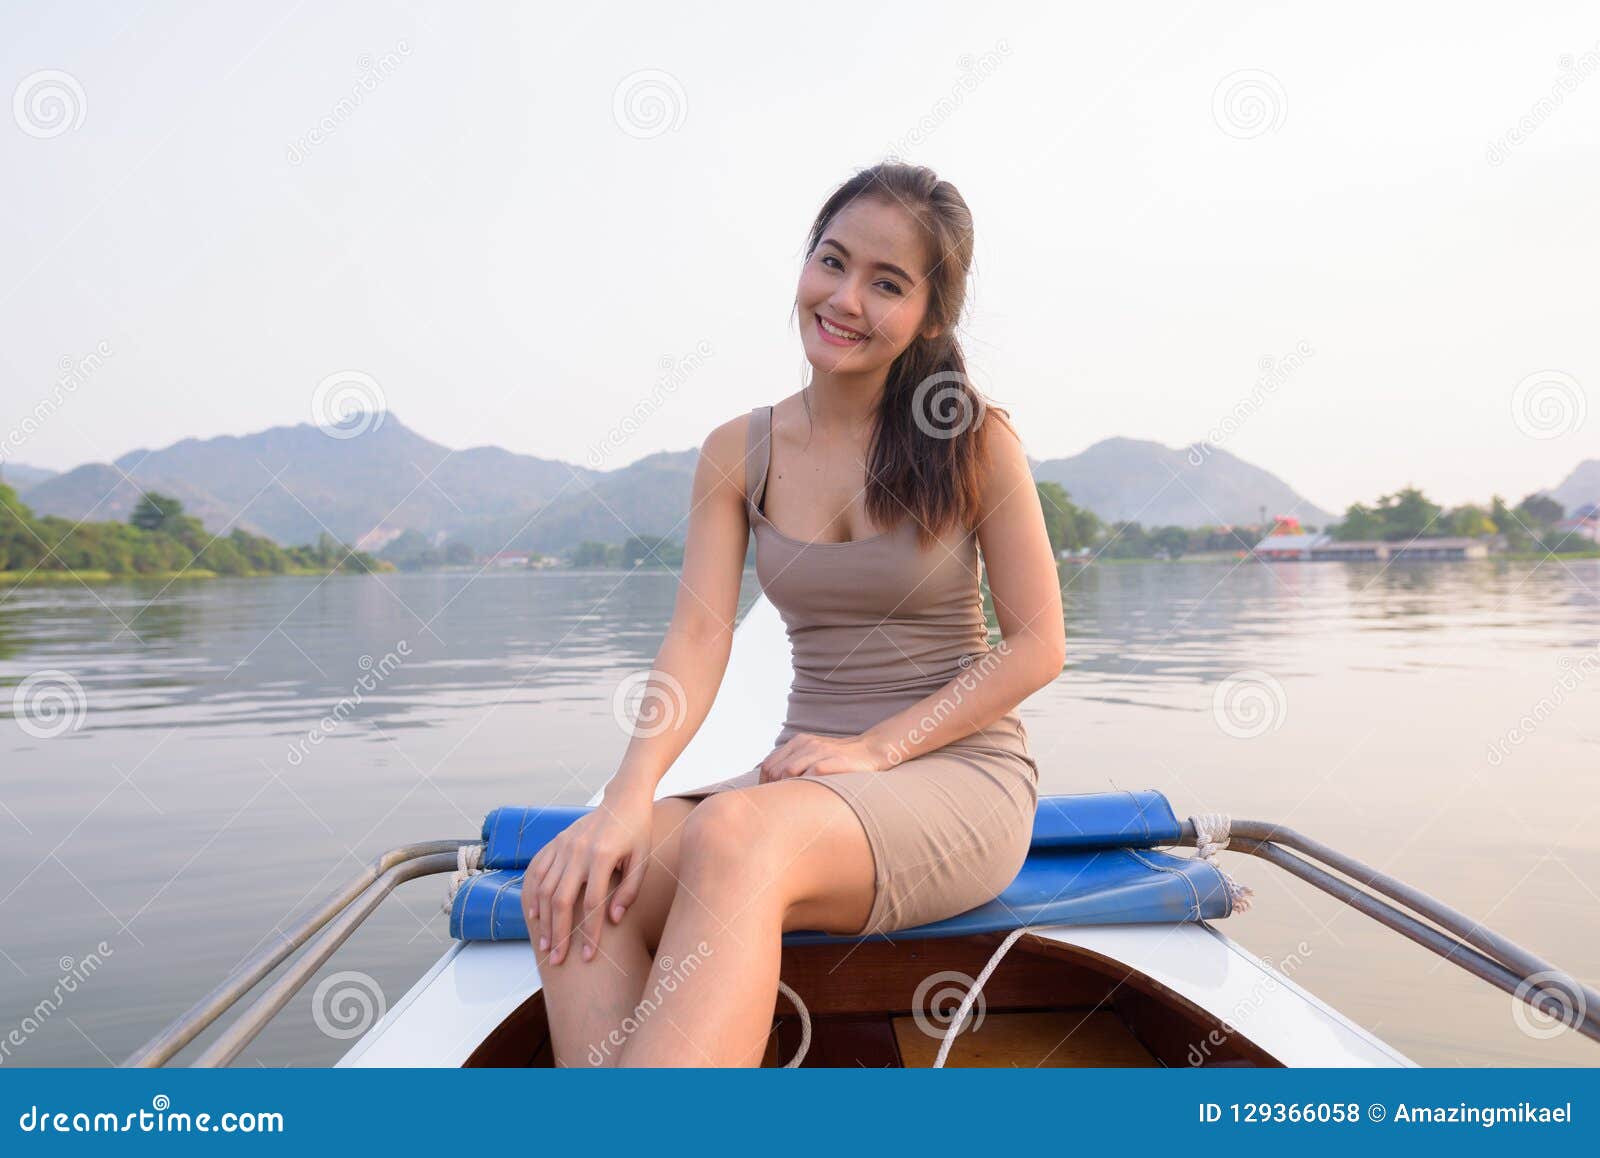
x,y
901,789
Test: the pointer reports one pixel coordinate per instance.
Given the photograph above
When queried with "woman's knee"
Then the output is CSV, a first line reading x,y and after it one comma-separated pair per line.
x,y
724,839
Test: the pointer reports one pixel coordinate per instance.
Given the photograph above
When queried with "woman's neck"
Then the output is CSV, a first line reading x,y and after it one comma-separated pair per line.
x,y
843,402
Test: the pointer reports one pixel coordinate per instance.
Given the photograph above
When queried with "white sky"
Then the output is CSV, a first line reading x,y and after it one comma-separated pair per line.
x,y
483,238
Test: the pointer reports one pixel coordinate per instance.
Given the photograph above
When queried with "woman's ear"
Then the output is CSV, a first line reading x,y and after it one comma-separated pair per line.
x,y
932,332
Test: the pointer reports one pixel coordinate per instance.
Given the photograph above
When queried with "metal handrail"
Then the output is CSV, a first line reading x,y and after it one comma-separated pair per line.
x,y
187,1026
1458,939
1478,950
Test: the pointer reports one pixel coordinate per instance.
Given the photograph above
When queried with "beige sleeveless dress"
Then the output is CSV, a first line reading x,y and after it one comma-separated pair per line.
x,y
876,625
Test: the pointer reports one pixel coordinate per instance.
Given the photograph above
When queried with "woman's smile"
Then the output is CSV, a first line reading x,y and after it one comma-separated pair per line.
x,y
836,335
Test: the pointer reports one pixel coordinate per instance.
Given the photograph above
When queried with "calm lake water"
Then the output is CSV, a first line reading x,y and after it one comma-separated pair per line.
x,y
151,848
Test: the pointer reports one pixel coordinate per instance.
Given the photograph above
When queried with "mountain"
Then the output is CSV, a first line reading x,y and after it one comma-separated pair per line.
x,y
1129,479
21,477
372,481
292,482
1581,487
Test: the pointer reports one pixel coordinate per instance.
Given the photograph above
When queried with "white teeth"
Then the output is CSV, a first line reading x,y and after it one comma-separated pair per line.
x,y
837,332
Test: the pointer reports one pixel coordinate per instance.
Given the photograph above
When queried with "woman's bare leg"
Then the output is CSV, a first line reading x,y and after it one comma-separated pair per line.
x,y
753,863
586,1001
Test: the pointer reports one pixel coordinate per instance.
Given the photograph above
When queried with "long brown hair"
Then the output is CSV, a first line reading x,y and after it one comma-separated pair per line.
x,y
927,450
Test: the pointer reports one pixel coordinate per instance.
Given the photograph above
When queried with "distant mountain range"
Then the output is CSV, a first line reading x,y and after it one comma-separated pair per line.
x,y
291,483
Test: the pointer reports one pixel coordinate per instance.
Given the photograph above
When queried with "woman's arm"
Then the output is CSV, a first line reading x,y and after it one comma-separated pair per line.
x,y
693,656
1026,588
569,881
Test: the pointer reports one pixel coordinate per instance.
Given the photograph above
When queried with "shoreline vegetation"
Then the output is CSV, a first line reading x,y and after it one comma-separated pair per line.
x,y
158,542
161,543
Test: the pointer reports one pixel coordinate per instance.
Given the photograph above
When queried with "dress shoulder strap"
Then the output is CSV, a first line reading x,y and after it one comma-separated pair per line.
x,y
758,455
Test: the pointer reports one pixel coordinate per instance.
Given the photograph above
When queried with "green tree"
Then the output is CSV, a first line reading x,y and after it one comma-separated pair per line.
x,y
156,512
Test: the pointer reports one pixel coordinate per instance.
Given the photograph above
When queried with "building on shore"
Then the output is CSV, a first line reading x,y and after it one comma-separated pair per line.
x,y
1282,548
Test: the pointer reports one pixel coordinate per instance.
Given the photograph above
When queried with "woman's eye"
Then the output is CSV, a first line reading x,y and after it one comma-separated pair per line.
x,y
828,257
891,287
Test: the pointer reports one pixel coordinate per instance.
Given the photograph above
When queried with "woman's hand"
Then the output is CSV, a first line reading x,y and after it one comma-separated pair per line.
x,y
578,864
806,754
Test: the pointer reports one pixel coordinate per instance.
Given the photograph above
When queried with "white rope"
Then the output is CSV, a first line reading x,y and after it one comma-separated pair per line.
x,y
967,1002
469,862
805,1025
1211,835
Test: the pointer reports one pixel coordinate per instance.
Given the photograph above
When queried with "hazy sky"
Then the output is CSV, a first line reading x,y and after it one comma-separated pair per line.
x,y
513,219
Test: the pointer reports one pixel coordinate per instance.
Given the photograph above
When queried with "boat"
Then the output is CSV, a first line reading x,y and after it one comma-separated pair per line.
x,y
1104,951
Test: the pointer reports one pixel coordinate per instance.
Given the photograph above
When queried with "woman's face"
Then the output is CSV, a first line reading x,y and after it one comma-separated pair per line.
x,y
863,292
